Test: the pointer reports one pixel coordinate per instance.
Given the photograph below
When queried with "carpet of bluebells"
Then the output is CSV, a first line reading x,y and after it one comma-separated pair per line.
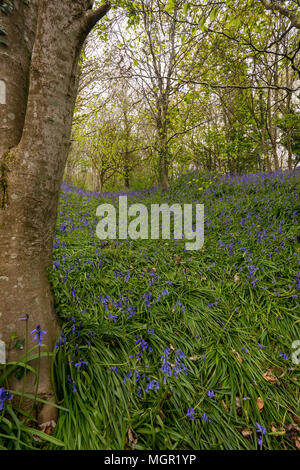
x,y
163,348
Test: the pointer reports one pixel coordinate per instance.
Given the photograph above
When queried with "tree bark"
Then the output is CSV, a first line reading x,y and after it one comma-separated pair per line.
x,y
32,170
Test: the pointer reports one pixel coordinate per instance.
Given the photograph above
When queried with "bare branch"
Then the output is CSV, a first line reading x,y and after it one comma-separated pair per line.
x,y
276,6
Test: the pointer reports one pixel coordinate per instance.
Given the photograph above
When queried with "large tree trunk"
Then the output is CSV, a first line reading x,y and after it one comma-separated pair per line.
x,y
32,170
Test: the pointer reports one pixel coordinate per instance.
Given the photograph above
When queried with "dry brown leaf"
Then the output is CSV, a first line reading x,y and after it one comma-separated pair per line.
x,y
172,347
296,441
176,333
270,377
292,427
278,433
236,278
247,432
224,405
194,358
203,278
260,404
238,402
237,355
131,440
48,426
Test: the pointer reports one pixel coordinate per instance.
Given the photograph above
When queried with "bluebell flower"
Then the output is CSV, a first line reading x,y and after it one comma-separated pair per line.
x,y
284,356
79,363
5,395
112,317
38,334
25,318
190,413
261,431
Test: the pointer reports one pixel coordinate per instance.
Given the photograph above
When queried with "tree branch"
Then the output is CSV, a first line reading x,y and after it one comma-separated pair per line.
x,y
93,16
275,6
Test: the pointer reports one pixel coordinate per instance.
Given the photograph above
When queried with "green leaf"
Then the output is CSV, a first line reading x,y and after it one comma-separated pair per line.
x,y
213,14
40,400
3,32
185,8
170,7
20,344
44,436
202,24
13,336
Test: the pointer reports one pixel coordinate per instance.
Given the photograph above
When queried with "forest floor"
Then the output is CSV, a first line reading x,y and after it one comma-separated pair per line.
x,y
164,348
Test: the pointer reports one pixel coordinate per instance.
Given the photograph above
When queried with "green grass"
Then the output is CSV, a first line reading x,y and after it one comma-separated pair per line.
x,y
226,304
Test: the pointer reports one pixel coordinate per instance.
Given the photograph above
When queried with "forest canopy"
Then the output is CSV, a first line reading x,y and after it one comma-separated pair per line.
x,y
168,85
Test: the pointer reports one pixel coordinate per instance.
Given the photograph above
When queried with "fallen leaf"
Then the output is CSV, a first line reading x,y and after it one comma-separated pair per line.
x,y
236,278
270,377
292,427
246,432
237,355
278,433
194,358
132,441
260,404
238,402
296,441
172,347
48,426
224,405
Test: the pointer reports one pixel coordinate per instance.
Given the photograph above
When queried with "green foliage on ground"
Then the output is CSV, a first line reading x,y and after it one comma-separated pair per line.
x,y
150,330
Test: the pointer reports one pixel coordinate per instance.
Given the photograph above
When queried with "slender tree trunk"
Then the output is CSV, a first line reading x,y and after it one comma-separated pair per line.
x,y
33,171
163,168
264,150
163,159
100,184
126,179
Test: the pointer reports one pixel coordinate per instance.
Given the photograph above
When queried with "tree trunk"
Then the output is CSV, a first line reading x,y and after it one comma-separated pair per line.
x,y
163,159
32,172
163,168
126,180
100,184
